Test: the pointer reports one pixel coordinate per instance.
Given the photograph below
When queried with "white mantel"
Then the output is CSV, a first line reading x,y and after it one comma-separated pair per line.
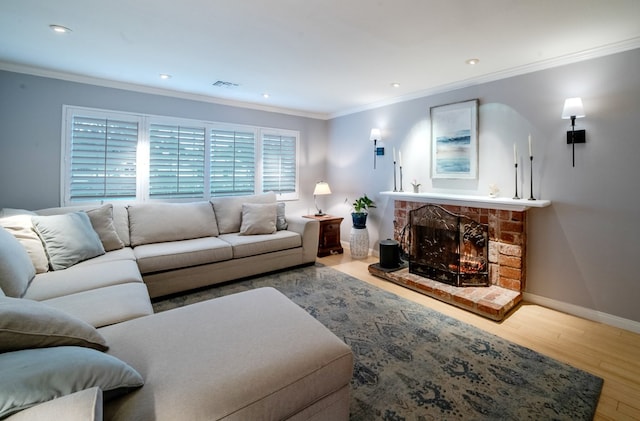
x,y
484,202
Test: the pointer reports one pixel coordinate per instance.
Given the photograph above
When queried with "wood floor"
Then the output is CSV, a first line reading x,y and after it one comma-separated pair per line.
x,y
608,352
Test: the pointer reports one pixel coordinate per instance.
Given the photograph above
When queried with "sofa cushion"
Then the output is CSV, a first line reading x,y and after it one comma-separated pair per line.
x,y
85,405
82,278
229,209
102,222
125,253
106,306
22,228
16,268
31,324
180,254
281,219
68,239
244,246
258,218
160,222
33,376
249,356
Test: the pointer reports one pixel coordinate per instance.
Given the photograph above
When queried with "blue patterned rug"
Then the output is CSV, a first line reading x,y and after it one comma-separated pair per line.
x,y
413,363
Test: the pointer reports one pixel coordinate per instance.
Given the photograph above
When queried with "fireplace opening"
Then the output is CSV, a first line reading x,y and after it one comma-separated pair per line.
x,y
448,248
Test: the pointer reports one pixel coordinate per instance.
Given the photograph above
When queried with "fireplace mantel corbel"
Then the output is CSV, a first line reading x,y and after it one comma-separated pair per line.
x,y
484,202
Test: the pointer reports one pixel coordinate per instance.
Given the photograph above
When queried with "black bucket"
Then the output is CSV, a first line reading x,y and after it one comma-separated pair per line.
x,y
389,254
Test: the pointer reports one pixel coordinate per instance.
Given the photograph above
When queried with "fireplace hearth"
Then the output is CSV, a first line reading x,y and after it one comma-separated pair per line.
x,y
448,247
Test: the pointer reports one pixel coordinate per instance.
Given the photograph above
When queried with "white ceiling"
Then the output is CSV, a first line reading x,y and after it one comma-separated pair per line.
x,y
315,57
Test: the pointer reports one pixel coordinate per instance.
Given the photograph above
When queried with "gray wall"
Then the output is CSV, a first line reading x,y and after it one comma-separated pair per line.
x,y
584,249
31,121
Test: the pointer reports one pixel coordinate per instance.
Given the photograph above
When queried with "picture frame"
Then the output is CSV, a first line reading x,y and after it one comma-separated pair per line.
x,y
454,140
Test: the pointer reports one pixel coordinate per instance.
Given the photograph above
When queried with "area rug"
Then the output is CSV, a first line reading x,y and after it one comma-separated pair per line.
x,y
413,363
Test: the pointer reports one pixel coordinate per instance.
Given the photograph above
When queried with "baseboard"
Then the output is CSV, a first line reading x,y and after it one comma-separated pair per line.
x,y
583,312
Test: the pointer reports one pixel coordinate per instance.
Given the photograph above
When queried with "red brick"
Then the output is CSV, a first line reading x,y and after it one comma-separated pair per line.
x,y
512,284
511,226
509,272
510,261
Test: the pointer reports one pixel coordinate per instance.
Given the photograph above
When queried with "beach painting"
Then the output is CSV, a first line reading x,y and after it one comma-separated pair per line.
x,y
454,140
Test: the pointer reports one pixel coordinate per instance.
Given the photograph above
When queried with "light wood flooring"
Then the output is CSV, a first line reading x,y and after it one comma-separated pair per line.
x,y
608,352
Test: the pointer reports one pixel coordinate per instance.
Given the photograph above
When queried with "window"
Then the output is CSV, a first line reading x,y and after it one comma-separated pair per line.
x,y
118,156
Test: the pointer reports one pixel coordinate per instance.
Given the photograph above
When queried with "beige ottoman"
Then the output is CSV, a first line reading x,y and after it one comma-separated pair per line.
x,y
249,356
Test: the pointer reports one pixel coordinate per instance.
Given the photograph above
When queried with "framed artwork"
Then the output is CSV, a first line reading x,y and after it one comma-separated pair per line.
x,y
454,140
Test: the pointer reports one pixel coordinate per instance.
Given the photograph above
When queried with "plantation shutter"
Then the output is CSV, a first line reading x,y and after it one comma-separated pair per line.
x,y
176,162
279,163
103,158
233,162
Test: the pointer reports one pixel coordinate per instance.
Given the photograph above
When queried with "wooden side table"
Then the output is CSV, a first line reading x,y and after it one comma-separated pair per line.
x,y
329,238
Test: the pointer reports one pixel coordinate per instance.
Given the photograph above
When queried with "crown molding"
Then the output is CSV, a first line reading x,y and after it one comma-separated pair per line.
x,y
107,83
592,53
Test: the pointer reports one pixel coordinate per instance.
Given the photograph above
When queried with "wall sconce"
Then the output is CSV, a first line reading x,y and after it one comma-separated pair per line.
x,y
375,136
573,109
322,188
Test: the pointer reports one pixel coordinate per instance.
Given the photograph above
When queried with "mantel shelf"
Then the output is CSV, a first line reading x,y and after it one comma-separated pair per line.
x,y
484,202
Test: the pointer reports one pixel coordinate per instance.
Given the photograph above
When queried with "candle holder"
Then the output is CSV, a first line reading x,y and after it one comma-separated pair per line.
x,y
516,196
531,178
394,176
401,178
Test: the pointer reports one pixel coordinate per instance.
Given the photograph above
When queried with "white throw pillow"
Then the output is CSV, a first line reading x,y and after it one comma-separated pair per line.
x,y
16,269
21,226
229,209
258,219
68,239
102,222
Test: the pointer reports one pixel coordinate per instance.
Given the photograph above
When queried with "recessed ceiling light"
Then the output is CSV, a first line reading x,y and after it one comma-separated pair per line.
x,y
165,76
59,29
395,84
472,61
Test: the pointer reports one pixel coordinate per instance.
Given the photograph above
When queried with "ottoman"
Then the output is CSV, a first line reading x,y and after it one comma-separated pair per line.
x,y
255,355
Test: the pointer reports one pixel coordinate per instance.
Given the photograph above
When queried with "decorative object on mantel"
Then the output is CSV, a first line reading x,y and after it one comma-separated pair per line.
x,y
416,186
375,136
494,190
573,109
454,140
531,168
394,169
359,238
515,161
400,165
322,188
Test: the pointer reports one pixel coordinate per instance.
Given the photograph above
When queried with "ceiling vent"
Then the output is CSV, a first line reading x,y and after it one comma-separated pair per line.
x,y
223,84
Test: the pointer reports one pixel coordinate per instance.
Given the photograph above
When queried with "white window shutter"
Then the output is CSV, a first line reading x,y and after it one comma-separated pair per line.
x,y
279,163
233,162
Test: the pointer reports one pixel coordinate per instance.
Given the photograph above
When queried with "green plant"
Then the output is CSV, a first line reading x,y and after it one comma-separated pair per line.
x,y
362,204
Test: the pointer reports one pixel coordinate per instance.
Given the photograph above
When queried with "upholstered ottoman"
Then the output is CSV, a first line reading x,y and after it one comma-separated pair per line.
x,y
255,355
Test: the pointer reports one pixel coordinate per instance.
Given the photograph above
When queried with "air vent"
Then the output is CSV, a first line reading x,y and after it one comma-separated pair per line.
x,y
223,84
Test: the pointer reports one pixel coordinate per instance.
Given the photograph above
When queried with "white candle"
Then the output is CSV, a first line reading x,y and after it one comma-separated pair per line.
x,y
400,158
515,154
530,154
394,154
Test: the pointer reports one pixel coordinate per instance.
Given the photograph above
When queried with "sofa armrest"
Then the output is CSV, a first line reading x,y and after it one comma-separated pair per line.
x,y
85,405
309,229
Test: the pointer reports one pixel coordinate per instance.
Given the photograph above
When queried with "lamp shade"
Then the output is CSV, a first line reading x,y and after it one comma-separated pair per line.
x,y
321,188
573,108
375,134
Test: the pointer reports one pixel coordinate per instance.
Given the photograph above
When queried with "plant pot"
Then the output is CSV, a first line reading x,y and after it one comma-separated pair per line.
x,y
359,220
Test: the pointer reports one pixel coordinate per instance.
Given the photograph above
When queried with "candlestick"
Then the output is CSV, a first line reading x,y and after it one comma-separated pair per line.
x,y
516,196
394,171
401,177
531,177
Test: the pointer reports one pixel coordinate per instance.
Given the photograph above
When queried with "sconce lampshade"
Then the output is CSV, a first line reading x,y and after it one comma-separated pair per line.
x,y
322,188
375,134
573,108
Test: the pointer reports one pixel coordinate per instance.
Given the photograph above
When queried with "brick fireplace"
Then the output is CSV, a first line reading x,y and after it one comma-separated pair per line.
x,y
507,228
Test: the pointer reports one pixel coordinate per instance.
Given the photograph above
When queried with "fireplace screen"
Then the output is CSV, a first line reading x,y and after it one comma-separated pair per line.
x,y
448,248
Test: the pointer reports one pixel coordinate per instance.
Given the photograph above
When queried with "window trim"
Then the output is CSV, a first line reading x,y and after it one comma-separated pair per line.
x,y
143,152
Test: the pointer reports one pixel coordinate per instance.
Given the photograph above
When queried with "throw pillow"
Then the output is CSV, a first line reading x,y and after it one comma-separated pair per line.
x,y
102,222
21,227
16,269
68,239
281,220
32,324
258,219
33,376
85,405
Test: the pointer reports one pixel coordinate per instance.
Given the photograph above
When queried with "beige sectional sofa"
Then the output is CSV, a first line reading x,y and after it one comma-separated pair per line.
x,y
254,355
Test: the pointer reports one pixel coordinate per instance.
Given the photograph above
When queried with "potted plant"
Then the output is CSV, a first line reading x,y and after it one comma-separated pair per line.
x,y
359,214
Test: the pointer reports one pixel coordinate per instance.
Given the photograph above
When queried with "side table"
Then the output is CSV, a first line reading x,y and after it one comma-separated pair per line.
x,y
329,238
